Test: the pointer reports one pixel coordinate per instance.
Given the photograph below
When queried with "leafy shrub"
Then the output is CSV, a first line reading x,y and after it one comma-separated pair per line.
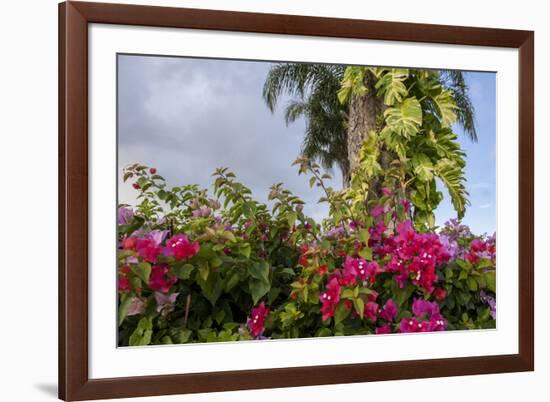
x,y
194,268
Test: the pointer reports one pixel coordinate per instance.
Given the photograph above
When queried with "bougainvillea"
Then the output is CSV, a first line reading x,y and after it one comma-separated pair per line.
x,y
191,270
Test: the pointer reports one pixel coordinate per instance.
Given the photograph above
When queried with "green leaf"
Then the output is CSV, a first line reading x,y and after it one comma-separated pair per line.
x,y
204,270
359,305
341,313
422,167
452,175
232,282
142,270
258,289
491,279
352,83
366,253
402,294
347,294
472,284
245,250
445,107
183,271
291,217
212,287
405,118
392,86
143,333
123,308
260,271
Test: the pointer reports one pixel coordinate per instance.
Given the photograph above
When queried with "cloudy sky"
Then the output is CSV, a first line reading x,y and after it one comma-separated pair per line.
x,y
188,116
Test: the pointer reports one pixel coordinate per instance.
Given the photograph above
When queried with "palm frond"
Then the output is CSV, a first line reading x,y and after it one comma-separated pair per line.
x,y
454,80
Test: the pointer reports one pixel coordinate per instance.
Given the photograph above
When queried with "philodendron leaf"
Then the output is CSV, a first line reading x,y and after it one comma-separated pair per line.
x,y
404,118
422,167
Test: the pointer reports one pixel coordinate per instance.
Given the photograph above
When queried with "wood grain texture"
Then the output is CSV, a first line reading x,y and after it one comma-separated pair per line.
x,y
74,382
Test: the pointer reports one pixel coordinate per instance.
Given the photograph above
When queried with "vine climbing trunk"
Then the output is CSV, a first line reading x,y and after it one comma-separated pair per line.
x,y
362,118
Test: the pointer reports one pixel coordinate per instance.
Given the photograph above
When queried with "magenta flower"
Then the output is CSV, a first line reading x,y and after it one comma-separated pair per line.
x,y
371,311
377,211
389,311
148,250
384,329
386,191
414,256
426,318
123,284
180,247
256,321
160,279
330,298
413,325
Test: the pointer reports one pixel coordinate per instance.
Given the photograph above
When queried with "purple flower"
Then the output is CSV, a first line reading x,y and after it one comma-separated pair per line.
x,y
337,232
450,245
165,303
136,307
157,236
202,212
125,215
491,302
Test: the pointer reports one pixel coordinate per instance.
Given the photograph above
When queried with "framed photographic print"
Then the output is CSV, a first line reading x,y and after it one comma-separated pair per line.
x,y
260,200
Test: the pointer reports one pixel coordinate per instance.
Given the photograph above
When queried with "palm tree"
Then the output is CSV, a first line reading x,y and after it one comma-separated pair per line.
x,y
335,130
313,88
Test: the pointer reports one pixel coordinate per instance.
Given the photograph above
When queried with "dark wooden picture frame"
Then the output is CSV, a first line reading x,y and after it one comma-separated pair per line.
x,y
74,382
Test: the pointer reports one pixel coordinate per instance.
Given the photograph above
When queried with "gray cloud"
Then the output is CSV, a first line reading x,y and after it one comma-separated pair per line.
x,y
188,116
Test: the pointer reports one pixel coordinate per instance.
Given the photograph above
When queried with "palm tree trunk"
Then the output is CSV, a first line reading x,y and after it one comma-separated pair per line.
x,y
363,112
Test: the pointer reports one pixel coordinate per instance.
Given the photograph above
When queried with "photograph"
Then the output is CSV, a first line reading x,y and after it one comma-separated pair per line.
x,y
267,200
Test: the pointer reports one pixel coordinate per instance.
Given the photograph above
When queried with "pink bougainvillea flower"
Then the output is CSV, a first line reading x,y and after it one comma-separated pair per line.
x,y
386,191
123,284
389,311
440,293
414,256
421,307
406,205
413,325
165,303
329,299
129,243
136,307
148,250
180,247
384,329
373,269
359,269
377,211
152,170
256,321
426,318
136,186
371,311
160,279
